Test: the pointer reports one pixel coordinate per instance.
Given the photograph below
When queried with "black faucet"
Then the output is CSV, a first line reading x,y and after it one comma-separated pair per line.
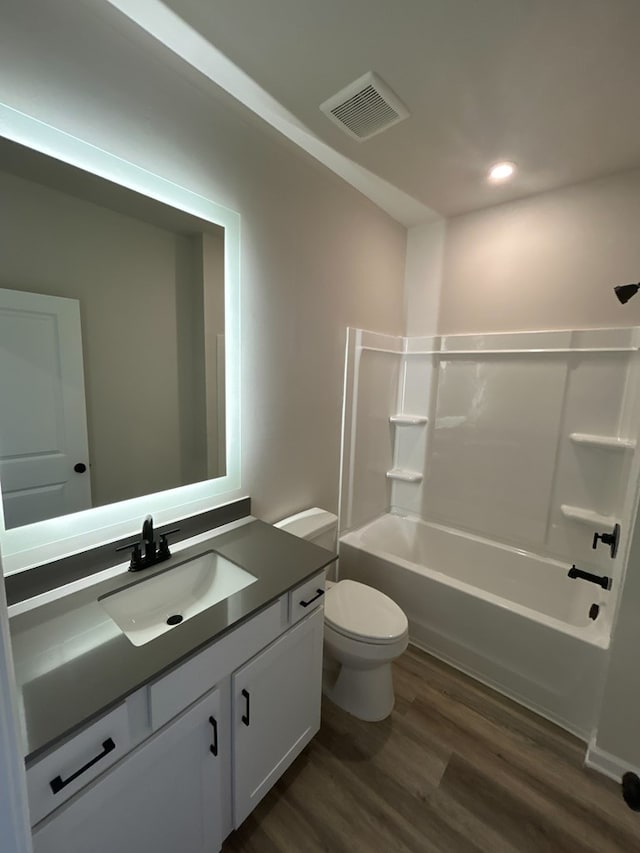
x,y
148,541
604,581
152,554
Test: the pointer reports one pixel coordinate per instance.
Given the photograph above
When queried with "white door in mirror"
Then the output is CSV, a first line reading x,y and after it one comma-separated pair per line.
x,y
44,461
148,609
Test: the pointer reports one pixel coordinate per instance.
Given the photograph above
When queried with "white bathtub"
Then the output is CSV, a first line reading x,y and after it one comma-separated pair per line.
x,y
510,618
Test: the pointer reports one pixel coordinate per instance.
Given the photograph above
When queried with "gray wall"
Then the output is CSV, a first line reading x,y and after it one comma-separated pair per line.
x,y
546,262
315,255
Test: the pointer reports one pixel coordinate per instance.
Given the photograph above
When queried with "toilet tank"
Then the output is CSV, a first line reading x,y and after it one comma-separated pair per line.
x,y
317,525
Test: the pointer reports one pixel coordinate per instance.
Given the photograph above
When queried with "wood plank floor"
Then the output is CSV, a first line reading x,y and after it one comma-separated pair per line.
x,y
456,768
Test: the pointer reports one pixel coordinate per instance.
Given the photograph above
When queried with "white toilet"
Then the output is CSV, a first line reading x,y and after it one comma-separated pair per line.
x,y
364,630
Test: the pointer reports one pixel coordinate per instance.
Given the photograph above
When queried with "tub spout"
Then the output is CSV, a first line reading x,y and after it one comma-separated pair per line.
x,y
604,581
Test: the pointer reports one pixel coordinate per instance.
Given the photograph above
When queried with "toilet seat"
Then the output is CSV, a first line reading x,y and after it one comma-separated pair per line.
x,y
364,614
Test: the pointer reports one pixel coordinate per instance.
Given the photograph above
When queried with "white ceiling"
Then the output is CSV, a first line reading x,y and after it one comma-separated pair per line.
x,y
550,84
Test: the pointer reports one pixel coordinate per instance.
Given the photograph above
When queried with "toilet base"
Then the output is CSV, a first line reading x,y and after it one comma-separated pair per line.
x,y
365,693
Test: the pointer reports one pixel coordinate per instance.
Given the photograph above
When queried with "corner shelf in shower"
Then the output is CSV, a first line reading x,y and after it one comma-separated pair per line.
x,y
587,516
404,475
607,442
408,420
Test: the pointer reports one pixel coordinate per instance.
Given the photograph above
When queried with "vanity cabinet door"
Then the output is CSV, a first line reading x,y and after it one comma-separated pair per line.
x,y
163,797
276,710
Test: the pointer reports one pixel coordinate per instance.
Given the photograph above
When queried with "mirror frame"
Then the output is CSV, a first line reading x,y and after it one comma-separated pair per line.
x,y
33,544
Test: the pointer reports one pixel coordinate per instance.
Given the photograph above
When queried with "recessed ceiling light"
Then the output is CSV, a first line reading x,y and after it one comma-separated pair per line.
x,y
500,172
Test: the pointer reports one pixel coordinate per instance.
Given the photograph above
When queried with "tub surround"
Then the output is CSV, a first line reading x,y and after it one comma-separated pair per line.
x,y
72,662
526,439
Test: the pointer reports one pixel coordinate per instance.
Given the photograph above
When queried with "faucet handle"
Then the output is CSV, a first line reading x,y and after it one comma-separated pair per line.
x,y
610,539
136,555
163,547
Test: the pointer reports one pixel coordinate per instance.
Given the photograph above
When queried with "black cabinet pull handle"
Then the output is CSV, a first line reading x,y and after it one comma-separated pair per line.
x,y
318,595
246,717
214,746
59,783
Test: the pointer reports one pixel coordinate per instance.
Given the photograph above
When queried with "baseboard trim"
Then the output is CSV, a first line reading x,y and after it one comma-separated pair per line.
x,y
604,762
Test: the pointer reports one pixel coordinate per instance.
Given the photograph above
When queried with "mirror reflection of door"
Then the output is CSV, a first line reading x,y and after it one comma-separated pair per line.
x,y
44,457
149,280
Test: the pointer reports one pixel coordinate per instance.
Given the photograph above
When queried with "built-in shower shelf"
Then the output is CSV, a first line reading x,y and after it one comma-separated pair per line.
x,y
587,516
409,420
404,475
609,442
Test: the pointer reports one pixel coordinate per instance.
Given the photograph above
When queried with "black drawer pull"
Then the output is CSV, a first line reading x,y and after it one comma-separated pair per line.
x,y
214,746
246,718
318,595
59,783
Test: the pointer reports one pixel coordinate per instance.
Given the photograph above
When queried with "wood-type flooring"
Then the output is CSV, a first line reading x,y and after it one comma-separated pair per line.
x,y
457,768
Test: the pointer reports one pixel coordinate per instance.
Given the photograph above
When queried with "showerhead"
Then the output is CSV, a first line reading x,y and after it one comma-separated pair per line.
x,y
624,292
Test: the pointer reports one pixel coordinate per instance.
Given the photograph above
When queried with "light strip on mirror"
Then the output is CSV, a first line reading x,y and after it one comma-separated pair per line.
x,y
33,544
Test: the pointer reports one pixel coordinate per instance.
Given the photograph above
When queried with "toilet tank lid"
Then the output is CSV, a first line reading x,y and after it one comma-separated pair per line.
x,y
309,523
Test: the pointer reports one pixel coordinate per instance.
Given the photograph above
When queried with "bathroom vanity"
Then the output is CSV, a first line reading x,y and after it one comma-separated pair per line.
x,y
170,744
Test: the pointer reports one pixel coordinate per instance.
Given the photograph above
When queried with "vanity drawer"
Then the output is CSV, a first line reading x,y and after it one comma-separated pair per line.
x,y
175,691
63,772
306,597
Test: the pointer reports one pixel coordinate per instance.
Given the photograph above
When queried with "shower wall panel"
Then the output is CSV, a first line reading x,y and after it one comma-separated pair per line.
x,y
371,393
598,478
493,445
416,396
527,438
530,440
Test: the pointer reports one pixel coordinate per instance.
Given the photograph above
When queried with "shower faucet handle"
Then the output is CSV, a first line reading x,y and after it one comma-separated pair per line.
x,y
610,539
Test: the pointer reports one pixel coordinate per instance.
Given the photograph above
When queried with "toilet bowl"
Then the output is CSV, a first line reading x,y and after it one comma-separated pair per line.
x,y
364,631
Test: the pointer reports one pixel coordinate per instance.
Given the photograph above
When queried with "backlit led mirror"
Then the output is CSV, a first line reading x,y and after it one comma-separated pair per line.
x,y
112,341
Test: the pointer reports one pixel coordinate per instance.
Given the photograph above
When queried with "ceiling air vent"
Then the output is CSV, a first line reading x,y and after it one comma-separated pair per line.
x,y
365,107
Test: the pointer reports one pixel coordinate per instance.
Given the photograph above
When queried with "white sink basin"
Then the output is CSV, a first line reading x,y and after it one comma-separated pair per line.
x,y
148,609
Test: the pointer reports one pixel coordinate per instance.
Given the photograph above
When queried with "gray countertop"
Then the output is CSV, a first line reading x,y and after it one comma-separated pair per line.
x,y
73,663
